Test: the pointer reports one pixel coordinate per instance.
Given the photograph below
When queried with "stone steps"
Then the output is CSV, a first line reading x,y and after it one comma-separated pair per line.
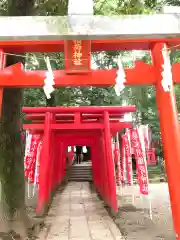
x,y
80,173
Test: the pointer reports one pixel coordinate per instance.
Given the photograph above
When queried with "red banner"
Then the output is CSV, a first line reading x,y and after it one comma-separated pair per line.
x,y
30,157
117,162
123,162
77,56
146,137
128,159
116,153
38,162
118,173
140,161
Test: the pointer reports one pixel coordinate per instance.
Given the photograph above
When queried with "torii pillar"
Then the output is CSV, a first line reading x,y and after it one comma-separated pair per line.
x,y
169,124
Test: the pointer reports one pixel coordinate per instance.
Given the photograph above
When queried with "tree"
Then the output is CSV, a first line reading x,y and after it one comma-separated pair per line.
x,y
12,206
142,97
172,2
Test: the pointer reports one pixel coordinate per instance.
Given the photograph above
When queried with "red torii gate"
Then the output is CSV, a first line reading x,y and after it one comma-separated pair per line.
x,y
156,37
69,126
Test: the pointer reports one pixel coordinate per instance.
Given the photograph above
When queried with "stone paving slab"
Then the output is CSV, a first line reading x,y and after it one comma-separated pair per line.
x,y
78,214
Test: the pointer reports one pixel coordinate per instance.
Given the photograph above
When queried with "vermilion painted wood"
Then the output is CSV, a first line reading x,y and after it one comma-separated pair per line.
x,y
169,124
53,171
46,166
52,178
99,177
95,120
84,126
111,196
77,138
86,57
63,126
142,74
71,139
58,147
92,140
83,109
33,127
67,116
72,121
10,73
71,134
63,159
105,170
114,127
96,46
176,73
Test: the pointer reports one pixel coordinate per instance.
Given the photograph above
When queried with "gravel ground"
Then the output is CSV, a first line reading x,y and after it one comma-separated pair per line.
x,y
31,200
134,216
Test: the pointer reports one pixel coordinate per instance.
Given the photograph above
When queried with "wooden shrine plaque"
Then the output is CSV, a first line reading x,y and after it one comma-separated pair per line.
x,y
77,56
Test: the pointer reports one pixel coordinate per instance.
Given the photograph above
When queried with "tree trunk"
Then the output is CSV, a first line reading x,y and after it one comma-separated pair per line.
x,y
12,185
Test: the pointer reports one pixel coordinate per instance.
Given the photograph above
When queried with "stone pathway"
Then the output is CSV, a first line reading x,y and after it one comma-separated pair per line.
x,y
78,214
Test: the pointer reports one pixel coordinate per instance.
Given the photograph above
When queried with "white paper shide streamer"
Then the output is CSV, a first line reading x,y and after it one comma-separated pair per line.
x,y
166,73
49,80
120,78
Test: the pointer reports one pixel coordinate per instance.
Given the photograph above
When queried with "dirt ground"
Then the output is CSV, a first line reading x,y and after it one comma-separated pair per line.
x,y
134,218
31,200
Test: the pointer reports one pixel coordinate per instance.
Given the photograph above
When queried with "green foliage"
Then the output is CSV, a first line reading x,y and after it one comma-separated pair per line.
x,y
143,97
34,97
172,2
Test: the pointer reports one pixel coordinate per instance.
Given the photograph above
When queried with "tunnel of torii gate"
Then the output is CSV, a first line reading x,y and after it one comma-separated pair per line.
x,y
81,33
87,126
